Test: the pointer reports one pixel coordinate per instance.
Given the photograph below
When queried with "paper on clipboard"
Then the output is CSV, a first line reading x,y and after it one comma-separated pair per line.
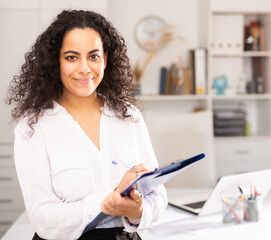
x,y
149,181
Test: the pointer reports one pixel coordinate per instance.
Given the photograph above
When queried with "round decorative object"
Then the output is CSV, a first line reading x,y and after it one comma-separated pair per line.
x,y
150,33
220,84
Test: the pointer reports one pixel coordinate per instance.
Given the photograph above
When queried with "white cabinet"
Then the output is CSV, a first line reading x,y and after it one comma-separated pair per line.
x,y
11,200
240,155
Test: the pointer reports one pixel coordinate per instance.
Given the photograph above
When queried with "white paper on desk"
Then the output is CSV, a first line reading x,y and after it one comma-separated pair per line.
x,y
184,222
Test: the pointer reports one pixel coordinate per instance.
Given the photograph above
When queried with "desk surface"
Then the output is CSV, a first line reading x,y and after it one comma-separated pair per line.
x,y
177,224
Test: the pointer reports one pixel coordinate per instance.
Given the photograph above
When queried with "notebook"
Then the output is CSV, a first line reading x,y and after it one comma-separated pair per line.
x,y
203,202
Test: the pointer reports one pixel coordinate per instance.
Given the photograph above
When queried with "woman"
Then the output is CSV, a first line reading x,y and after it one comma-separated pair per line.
x,y
75,105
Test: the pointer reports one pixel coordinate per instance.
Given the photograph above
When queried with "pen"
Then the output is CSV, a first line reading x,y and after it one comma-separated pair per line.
x,y
242,194
251,192
256,193
240,189
120,164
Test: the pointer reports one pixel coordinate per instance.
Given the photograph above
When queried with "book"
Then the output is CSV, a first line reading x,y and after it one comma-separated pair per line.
x,y
198,60
174,80
234,36
147,182
187,81
163,79
262,37
200,71
191,72
227,37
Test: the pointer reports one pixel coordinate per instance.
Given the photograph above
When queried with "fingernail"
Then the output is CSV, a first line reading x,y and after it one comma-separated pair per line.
x,y
136,192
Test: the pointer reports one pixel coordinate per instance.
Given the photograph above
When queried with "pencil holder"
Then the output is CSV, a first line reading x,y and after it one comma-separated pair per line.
x,y
252,210
232,210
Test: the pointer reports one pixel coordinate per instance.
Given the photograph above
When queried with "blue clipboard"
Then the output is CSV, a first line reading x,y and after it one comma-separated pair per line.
x,y
148,182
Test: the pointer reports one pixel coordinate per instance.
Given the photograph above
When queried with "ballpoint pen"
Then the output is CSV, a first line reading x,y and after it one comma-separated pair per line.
x,y
131,169
121,164
242,194
241,191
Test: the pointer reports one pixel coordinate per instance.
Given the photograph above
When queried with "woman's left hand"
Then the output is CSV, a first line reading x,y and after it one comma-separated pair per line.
x,y
116,205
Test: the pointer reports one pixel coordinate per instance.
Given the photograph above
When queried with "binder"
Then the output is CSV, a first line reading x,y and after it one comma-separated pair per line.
x,y
148,182
200,71
227,35
198,63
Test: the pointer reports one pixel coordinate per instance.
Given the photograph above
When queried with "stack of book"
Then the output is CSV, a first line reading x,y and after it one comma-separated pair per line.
x,y
170,80
230,122
190,80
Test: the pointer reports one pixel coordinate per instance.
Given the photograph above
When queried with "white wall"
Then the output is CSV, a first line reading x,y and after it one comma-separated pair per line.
x,y
21,21
189,17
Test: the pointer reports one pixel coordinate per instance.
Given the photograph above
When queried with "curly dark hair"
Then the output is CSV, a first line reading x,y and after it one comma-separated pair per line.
x,y
39,84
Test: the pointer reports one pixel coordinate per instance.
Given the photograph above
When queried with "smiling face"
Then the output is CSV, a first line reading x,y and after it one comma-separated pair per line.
x,y
82,62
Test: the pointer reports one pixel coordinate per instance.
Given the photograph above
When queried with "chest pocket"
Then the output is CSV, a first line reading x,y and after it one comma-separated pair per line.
x,y
70,172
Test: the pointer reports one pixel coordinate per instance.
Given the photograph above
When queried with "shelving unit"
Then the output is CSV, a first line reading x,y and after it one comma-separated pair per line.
x,y
226,56
175,103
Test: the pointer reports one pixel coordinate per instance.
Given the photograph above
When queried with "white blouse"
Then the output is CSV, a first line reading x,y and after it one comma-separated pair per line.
x,y
64,177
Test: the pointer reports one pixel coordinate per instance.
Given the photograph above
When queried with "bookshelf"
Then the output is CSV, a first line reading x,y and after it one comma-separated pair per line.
x,y
227,56
231,53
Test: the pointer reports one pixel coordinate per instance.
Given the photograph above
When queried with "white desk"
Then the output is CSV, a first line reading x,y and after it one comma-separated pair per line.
x,y
177,224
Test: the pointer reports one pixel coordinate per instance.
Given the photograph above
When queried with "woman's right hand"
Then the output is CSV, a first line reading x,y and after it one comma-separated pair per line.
x,y
116,205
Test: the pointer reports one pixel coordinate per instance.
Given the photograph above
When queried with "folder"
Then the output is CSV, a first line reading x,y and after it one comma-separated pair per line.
x,y
147,182
200,70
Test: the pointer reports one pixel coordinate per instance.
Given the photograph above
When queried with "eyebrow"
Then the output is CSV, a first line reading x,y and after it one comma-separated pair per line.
x,y
77,53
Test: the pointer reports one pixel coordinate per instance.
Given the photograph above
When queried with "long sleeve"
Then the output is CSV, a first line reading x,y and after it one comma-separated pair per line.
x,y
154,204
64,177
52,218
